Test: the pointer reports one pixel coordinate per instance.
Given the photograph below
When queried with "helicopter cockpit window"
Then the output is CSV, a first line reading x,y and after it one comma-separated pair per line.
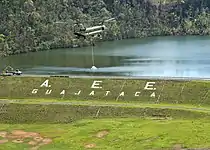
x,y
79,28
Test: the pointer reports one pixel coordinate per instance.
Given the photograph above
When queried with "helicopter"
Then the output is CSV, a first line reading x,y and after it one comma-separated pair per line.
x,y
84,32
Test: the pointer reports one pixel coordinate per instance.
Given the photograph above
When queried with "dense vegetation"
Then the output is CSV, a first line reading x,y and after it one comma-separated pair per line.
x,y
29,25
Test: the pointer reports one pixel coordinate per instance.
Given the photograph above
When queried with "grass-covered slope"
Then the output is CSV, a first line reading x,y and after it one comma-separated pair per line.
x,y
117,134
60,119
59,113
121,90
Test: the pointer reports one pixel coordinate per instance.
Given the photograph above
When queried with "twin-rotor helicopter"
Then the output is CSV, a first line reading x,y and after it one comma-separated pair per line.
x,y
80,31
83,32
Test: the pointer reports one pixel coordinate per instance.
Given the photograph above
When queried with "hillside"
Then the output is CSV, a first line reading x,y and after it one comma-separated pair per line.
x,y
29,25
106,90
45,113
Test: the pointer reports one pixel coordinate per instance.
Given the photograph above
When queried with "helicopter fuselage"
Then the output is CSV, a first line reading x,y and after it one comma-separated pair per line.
x,y
90,31
102,27
81,31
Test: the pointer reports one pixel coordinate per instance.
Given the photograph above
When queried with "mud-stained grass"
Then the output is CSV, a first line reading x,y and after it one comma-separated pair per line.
x,y
33,139
112,134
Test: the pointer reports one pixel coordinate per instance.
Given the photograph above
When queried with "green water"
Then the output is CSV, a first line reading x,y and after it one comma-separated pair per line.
x,y
156,56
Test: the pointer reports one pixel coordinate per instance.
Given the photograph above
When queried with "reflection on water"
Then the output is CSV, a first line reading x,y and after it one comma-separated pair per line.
x,y
159,56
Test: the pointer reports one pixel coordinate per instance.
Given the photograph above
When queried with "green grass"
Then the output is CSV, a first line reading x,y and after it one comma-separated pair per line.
x,y
167,92
126,134
15,113
131,104
75,123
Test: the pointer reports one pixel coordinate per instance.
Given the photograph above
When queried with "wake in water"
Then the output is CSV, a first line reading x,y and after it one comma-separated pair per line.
x,y
161,71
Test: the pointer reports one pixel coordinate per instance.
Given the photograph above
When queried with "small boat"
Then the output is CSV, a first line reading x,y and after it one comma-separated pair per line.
x,y
10,72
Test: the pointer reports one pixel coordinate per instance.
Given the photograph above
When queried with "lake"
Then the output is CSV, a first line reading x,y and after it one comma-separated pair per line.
x,y
181,56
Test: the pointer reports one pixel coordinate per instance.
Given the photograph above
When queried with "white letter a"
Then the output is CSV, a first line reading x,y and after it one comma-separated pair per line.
x,y
45,83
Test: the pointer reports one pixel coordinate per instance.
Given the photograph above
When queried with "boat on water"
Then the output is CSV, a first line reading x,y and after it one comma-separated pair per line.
x,y
9,71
